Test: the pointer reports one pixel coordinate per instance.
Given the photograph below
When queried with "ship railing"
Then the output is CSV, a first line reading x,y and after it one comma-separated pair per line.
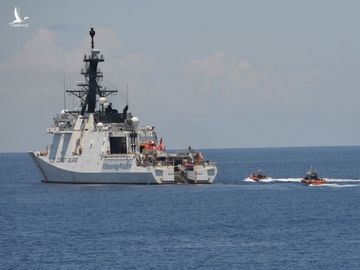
x,y
55,129
206,163
41,153
116,156
147,163
164,163
209,162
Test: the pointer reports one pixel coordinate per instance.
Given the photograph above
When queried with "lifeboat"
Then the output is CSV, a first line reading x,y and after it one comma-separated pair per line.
x,y
257,176
312,178
151,146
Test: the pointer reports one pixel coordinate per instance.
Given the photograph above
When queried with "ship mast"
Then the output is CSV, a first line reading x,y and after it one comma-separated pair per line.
x,y
91,87
92,75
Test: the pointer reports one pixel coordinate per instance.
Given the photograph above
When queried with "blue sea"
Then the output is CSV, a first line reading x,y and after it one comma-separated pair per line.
x,y
231,224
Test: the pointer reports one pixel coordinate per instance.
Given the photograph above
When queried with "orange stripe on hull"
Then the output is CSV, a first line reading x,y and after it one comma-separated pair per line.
x,y
256,178
314,182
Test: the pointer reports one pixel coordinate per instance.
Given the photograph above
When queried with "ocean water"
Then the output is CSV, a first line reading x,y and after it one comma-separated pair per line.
x,y
232,224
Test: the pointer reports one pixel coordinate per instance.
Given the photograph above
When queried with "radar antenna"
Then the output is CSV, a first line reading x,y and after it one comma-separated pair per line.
x,y
91,87
92,34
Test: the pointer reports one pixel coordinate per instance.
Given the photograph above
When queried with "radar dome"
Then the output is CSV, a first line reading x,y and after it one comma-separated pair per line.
x,y
100,126
135,121
102,100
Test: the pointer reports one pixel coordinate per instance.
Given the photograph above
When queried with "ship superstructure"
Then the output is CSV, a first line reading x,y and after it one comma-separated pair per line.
x,y
98,144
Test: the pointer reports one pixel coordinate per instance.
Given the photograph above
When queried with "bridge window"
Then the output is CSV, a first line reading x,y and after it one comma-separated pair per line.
x,y
118,145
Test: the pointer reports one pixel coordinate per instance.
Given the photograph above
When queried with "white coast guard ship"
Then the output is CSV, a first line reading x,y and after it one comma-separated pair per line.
x,y
97,144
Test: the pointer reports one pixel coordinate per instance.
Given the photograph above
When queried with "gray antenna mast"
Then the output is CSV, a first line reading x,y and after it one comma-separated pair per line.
x,y
64,91
127,94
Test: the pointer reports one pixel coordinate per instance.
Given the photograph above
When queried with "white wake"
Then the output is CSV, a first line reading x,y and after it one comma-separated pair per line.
x,y
331,182
273,180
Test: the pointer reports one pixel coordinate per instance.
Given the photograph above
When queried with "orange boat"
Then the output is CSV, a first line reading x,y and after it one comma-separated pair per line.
x,y
257,176
312,178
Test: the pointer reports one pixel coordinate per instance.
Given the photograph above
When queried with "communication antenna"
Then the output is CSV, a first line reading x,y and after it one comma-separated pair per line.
x,y
92,34
64,91
127,94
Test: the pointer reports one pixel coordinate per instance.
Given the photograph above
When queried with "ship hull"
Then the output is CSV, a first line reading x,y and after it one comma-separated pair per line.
x,y
257,179
316,182
100,145
53,174
202,174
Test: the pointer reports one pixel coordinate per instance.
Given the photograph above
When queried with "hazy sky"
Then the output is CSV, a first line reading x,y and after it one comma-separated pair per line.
x,y
205,73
